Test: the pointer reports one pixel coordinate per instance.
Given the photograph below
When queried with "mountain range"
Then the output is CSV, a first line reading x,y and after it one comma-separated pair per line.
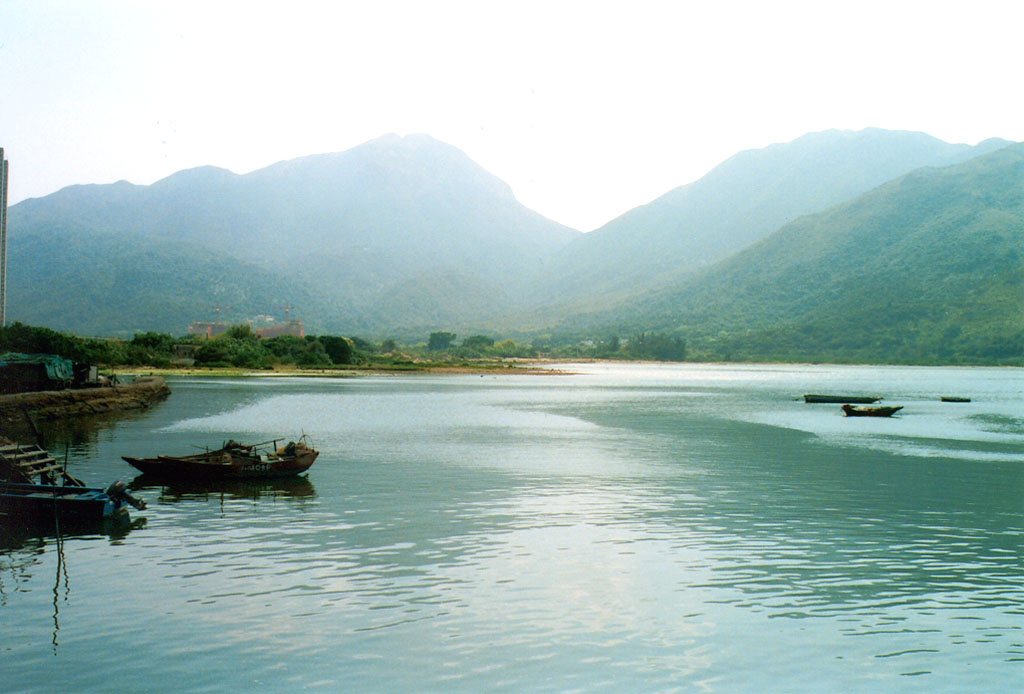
x,y
904,244
926,268
742,200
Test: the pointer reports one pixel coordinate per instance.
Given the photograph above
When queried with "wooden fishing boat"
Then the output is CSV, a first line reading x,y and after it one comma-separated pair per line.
x,y
233,461
840,399
863,411
954,398
37,491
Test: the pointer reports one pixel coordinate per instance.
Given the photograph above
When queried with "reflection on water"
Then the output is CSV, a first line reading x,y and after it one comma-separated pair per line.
x,y
79,434
31,538
629,528
254,489
62,578
23,552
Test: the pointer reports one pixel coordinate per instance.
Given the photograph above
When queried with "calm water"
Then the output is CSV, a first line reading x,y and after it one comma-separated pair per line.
x,y
627,528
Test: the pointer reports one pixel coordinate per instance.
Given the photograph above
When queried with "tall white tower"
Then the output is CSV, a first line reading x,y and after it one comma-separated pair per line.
x,y
3,239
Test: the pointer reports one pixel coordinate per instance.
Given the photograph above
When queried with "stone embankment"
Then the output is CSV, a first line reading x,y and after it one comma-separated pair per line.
x,y
61,404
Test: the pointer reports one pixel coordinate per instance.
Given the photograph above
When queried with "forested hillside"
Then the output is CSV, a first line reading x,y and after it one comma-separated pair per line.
x,y
737,203
928,268
350,239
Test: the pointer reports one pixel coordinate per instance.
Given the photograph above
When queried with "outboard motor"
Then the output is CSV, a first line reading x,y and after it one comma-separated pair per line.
x,y
118,492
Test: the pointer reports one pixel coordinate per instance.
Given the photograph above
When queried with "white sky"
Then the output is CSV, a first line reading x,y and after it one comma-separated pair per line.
x,y
587,109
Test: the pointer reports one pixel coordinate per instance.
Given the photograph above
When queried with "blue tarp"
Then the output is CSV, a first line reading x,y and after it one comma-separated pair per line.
x,y
57,368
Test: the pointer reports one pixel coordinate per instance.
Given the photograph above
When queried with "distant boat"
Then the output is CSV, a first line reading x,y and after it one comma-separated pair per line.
x,y
953,398
861,411
232,461
839,399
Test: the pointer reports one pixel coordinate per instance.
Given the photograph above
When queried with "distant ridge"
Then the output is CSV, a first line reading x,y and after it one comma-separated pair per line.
x,y
740,201
928,268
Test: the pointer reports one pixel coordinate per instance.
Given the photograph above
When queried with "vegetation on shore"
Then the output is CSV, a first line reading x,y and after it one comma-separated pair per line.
x,y
240,348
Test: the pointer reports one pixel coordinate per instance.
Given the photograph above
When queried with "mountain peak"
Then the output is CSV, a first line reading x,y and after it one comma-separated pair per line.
x,y
198,176
348,235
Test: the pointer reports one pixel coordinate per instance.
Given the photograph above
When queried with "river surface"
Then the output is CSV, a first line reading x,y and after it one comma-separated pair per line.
x,y
625,528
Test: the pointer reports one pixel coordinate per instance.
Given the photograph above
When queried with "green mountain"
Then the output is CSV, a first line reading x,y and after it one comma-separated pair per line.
x,y
836,246
351,240
92,283
928,268
739,202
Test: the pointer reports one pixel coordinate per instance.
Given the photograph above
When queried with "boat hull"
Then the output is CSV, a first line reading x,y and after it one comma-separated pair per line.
x,y
227,466
66,506
841,399
853,411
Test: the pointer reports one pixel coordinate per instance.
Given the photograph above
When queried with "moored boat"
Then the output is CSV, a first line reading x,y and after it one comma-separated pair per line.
x,y
35,490
954,398
65,505
232,461
863,411
839,399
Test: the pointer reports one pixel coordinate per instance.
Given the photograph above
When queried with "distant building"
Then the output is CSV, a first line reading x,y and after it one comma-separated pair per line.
x,y
208,328
184,354
263,326
292,327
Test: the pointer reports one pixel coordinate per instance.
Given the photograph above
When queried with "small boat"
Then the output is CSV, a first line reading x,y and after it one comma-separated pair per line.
x,y
862,411
232,461
839,399
954,398
65,505
35,490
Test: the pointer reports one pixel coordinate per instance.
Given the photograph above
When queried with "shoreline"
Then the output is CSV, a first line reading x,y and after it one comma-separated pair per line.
x,y
519,367
48,405
511,367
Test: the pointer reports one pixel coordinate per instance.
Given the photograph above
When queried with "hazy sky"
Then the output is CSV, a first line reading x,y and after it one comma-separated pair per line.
x,y
586,109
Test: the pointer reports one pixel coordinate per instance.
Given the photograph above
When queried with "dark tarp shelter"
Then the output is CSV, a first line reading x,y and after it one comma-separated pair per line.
x,y
20,373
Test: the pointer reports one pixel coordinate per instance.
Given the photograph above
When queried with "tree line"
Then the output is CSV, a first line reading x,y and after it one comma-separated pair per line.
x,y
240,347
